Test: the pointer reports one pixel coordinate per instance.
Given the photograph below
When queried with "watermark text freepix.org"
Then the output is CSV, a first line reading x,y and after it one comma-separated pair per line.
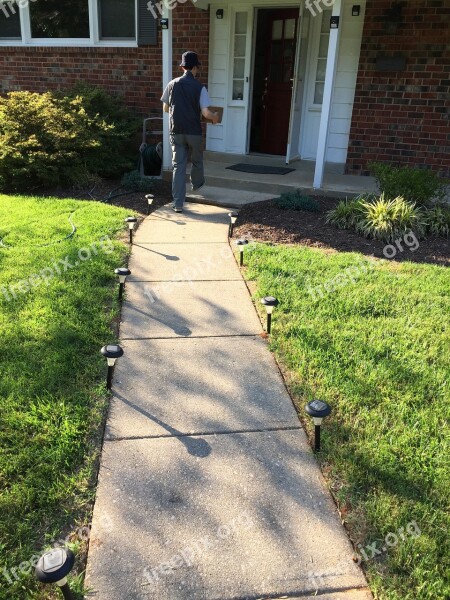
x,y
157,8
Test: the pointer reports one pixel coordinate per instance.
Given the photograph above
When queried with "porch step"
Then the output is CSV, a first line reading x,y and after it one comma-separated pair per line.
x,y
243,188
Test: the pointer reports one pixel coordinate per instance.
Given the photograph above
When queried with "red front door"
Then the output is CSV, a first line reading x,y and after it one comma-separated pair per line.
x,y
281,38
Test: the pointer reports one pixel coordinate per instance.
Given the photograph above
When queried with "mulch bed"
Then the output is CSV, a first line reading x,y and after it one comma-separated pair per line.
x,y
135,201
265,222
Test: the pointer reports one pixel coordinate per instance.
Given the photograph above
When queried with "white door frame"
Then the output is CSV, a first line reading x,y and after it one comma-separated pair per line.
x,y
256,8
295,83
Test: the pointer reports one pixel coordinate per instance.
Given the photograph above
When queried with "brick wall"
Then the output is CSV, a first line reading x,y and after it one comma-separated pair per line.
x,y
404,117
135,73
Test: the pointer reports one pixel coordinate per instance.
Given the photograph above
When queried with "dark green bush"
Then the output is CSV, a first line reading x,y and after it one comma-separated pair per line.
x,y
54,139
295,201
438,220
133,181
414,185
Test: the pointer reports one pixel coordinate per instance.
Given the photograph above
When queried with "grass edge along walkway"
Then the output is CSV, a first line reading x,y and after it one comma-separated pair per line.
x,y
376,348
58,302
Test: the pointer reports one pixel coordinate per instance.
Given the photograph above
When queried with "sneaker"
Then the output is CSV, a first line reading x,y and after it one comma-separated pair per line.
x,y
195,189
176,209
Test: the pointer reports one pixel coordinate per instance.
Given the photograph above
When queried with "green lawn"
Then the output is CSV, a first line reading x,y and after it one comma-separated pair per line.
x,y
377,349
57,304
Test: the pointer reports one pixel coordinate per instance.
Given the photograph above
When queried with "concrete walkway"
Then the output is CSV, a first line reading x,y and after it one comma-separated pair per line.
x,y
208,489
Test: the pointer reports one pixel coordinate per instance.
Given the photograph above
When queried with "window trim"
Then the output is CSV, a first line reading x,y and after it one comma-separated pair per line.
x,y
93,41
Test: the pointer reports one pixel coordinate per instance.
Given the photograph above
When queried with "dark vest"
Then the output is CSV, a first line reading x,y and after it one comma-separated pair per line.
x,y
184,102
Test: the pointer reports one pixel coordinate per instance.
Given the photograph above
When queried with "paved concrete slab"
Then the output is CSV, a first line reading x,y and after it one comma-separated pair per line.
x,y
188,309
216,518
197,386
226,196
181,262
174,231
228,514
193,212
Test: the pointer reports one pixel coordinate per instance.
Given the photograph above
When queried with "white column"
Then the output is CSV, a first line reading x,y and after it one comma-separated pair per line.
x,y
332,59
167,76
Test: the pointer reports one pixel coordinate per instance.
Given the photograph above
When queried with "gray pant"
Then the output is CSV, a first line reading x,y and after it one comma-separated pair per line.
x,y
181,146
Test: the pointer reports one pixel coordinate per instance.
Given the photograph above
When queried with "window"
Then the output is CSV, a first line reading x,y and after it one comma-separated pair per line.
x,y
240,50
78,23
117,19
324,40
9,20
54,19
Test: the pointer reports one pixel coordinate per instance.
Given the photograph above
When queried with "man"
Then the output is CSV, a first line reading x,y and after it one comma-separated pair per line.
x,y
186,99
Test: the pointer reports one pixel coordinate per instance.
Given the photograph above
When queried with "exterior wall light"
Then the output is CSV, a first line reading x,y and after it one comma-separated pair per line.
x,y
54,566
270,303
131,223
233,218
122,274
150,199
219,13
241,243
318,410
111,353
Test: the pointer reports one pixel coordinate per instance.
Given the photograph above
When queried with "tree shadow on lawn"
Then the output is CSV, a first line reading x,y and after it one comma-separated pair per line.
x,y
265,222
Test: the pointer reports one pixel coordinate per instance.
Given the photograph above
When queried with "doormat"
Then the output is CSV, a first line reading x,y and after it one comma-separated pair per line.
x,y
260,169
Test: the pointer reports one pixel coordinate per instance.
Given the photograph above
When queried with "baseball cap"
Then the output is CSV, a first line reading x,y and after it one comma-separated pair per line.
x,y
190,60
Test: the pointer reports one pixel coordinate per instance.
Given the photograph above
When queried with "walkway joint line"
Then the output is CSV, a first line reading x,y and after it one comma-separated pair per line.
x,y
193,337
204,433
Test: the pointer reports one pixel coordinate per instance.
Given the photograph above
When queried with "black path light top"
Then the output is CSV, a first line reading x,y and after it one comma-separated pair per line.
x,y
55,565
233,216
122,271
112,351
269,301
241,242
318,409
131,220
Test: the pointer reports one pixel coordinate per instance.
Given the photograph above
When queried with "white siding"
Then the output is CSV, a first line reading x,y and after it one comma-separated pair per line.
x,y
218,76
231,135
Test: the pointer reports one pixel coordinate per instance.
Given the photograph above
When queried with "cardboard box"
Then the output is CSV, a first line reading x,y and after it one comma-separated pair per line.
x,y
217,109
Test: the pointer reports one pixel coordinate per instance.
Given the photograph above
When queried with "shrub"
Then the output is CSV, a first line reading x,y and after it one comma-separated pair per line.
x,y
387,220
414,185
295,201
379,218
133,181
438,220
346,213
112,157
51,139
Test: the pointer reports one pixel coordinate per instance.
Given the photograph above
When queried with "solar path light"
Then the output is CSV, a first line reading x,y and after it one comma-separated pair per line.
x,y
111,353
131,223
233,218
150,199
241,243
122,274
318,410
269,303
54,566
